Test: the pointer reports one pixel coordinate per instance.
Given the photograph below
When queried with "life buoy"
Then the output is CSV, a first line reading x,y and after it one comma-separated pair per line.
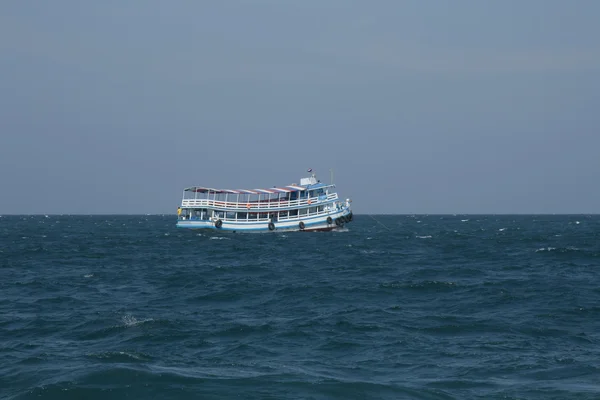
x,y
301,225
218,223
309,201
248,206
271,226
329,220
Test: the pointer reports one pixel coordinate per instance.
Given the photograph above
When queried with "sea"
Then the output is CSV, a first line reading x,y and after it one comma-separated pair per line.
x,y
389,307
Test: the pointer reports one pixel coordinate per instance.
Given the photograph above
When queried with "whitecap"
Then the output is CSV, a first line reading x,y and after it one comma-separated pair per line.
x,y
88,275
219,238
424,237
111,354
502,229
464,220
132,355
545,249
130,320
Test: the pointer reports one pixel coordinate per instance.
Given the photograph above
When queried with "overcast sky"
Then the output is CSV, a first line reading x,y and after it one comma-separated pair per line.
x,y
437,106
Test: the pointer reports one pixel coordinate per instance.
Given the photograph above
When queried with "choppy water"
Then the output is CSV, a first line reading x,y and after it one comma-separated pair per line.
x,y
411,307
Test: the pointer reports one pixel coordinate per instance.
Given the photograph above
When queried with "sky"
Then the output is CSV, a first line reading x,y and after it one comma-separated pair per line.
x,y
438,106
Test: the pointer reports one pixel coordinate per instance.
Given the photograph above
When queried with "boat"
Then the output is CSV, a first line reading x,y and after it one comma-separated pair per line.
x,y
308,206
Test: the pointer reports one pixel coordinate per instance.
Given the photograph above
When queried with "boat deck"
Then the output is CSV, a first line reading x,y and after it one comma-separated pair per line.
x,y
258,205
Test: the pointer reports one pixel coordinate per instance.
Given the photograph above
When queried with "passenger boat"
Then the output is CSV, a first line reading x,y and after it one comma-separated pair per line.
x,y
309,206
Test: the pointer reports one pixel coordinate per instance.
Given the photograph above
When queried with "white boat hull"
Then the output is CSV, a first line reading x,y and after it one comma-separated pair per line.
x,y
311,223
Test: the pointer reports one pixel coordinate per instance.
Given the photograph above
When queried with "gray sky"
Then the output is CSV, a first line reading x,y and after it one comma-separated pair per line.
x,y
438,106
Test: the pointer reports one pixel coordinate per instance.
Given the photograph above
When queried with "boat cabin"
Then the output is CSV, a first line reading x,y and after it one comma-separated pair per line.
x,y
273,204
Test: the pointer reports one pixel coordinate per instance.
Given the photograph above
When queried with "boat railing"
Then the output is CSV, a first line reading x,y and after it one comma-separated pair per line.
x,y
258,206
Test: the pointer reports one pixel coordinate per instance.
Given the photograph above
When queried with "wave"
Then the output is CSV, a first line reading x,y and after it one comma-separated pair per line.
x,y
568,249
422,285
121,357
228,382
130,320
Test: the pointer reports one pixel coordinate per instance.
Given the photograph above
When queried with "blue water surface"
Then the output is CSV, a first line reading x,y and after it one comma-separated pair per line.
x,y
393,307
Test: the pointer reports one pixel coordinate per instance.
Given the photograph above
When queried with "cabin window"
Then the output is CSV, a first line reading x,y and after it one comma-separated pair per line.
x,y
230,215
263,216
312,210
303,211
242,216
252,216
283,214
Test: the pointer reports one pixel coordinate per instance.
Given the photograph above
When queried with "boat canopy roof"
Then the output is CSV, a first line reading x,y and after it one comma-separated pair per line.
x,y
278,189
284,189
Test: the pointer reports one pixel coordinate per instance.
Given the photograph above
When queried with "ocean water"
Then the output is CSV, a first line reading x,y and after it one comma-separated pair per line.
x,y
393,307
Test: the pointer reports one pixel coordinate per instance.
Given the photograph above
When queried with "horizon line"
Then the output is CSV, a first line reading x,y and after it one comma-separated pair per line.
x,y
356,214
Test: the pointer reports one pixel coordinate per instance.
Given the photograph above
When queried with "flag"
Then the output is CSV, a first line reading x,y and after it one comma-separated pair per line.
x,y
309,170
